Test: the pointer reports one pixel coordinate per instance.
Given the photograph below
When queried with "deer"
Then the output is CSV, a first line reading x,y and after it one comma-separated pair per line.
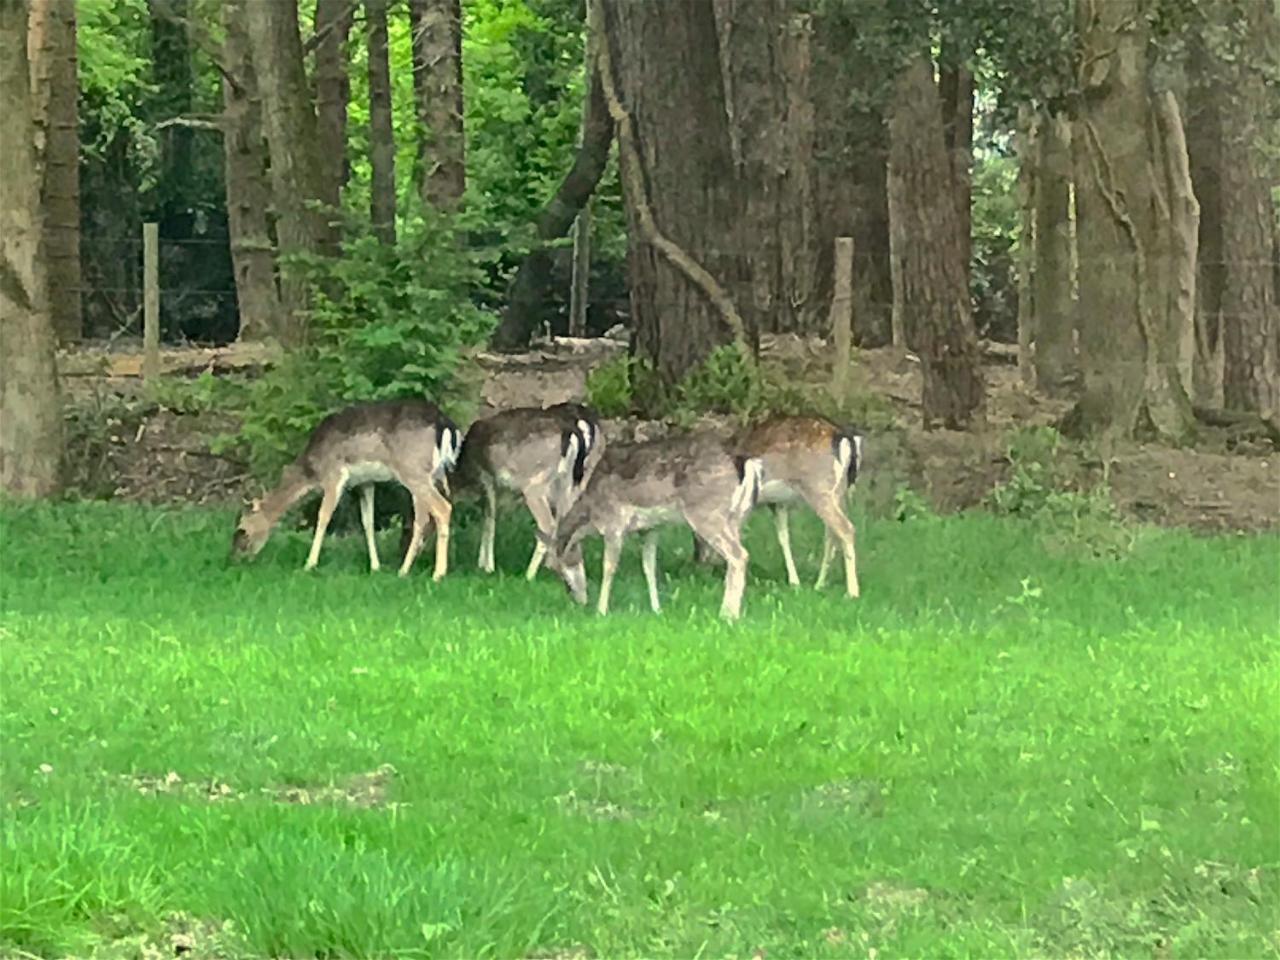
x,y
696,479
544,455
811,460
408,441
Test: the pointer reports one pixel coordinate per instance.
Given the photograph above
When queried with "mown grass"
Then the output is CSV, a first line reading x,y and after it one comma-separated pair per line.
x,y
999,750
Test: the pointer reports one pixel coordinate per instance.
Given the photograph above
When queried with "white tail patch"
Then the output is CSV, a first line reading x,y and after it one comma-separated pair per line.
x,y
570,455
445,454
748,489
844,453
588,433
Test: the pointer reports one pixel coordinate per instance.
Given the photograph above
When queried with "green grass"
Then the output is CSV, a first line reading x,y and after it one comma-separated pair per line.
x,y
1000,750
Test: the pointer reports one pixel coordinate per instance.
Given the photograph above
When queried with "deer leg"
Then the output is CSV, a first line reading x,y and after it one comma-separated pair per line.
x,y
540,506
727,541
828,552
442,511
839,529
612,551
366,520
703,555
490,525
784,541
332,494
650,558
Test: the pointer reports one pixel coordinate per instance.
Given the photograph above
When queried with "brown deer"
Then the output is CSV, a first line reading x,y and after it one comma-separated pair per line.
x,y
544,455
696,479
408,441
813,460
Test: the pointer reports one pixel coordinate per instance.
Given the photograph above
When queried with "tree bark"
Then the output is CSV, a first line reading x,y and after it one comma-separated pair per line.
x,y
382,141
245,175
850,187
689,226
437,82
1204,146
294,147
955,87
333,92
1130,328
529,287
57,88
765,55
30,410
1028,150
924,215
1055,360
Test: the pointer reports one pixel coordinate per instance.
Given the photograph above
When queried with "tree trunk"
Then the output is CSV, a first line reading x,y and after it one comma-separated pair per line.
x,y
925,216
333,91
528,289
1204,146
955,87
1249,309
850,190
765,54
1131,331
293,144
689,227
1055,355
30,410
437,82
52,46
382,141
1028,149
248,197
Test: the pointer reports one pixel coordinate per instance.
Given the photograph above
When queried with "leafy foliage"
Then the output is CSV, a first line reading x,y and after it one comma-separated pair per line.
x,y
386,322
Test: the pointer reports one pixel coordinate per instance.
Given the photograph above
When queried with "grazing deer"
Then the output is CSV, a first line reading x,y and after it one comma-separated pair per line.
x,y
695,479
814,460
409,441
545,455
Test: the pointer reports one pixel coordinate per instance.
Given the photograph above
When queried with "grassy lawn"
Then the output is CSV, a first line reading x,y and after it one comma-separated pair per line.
x,y
1001,749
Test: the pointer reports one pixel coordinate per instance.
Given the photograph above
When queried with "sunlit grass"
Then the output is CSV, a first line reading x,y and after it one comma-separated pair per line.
x,y
999,750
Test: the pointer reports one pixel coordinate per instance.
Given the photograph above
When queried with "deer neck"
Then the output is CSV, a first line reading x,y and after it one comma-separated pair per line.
x,y
293,486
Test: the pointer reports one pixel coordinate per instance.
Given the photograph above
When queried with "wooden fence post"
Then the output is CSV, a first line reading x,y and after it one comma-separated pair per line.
x,y
842,317
151,301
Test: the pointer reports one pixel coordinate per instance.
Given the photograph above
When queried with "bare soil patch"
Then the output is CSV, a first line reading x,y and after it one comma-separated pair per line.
x,y
124,446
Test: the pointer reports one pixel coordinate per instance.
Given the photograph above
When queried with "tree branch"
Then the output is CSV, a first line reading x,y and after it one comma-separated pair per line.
x,y
208,46
319,37
632,171
194,123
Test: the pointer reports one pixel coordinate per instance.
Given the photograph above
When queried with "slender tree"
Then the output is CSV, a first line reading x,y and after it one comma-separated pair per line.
x,y
333,91
289,120
382,142
1054,321
436,26
245,176
930,254
52,44
30,411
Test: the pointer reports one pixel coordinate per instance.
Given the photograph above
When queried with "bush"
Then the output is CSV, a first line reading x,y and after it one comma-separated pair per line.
x,y
385,322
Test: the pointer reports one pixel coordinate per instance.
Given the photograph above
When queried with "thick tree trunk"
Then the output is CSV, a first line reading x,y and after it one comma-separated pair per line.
x,y
1131,328
529,287
924,214
382,141
765,53
1249,308
293,143
333,91
52,46
30,411
1055,359
248,196
689,227
437,74
850,188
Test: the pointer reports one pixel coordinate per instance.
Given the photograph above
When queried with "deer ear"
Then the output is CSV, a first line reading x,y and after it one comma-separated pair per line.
x,y
255,505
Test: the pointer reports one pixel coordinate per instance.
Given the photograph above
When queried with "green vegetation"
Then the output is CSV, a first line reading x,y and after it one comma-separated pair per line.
x,y
997,751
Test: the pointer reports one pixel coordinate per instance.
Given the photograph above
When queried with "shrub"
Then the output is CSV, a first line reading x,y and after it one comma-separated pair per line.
x,y
385,322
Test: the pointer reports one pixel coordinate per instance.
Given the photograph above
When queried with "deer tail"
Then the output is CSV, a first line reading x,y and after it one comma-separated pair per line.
x,y
750,480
